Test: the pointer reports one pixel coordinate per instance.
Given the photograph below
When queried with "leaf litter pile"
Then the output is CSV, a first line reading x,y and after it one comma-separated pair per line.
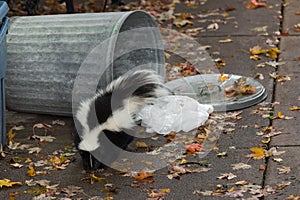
x,y
182,151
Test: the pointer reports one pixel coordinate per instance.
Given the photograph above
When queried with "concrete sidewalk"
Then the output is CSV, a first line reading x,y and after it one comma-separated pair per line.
x,y
272,177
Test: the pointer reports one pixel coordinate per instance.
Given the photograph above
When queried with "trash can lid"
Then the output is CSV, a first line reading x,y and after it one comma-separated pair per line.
x,y
3,9
224,92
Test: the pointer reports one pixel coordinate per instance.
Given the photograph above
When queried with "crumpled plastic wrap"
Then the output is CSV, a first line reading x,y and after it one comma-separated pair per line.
x,y
174,113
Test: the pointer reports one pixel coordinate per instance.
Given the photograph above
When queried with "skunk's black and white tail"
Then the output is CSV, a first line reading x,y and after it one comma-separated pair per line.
x,y
113,109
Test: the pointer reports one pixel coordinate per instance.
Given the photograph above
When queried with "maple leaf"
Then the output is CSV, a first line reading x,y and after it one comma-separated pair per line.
x,y
258,153
8,183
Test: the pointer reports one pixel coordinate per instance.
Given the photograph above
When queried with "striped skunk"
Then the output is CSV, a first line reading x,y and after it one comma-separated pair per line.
x,y
112,111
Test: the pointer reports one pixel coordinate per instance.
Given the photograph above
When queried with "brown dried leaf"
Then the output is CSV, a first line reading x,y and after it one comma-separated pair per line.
x,y
240,165
284,170
227,176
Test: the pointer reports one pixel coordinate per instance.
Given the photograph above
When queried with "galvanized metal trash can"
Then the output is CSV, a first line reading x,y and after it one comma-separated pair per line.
x,y
48,54
4,20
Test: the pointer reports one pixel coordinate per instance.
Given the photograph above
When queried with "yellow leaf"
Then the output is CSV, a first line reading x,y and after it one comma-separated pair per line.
x,y
266,141
28,160
222,77
31,171
293,108
11,135
258,153
280,115
8,183
99,179
257,50
273,52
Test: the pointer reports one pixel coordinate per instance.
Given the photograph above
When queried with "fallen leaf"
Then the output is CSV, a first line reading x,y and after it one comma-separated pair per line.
x,y
31,171
260,29
34,150
281,116
284,170
277,159
294,108
240,165
266,141
98,179
255,57
8,183
17,165
297,27
47,138
241,183
227,176
158,193
110,188
11,135
239,87
213,27
72,190
222,154
282,185
272,52
142,175
192,148
58,122
258,153
253,4
293,197
222,77
262,167
273,152
46,127
228,40
182,20
259,76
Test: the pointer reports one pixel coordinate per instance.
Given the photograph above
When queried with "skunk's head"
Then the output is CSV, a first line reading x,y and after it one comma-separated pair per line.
x,y
114,108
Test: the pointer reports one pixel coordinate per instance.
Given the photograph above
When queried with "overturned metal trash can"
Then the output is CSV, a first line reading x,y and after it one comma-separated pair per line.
x,y
50,55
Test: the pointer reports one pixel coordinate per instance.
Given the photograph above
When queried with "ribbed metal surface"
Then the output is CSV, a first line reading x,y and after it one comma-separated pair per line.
x,y
45,54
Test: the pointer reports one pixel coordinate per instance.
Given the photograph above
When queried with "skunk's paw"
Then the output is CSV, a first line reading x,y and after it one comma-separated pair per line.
x,y
88,145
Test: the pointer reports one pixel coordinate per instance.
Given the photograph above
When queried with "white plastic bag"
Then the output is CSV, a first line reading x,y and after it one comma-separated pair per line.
x,y
174,113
